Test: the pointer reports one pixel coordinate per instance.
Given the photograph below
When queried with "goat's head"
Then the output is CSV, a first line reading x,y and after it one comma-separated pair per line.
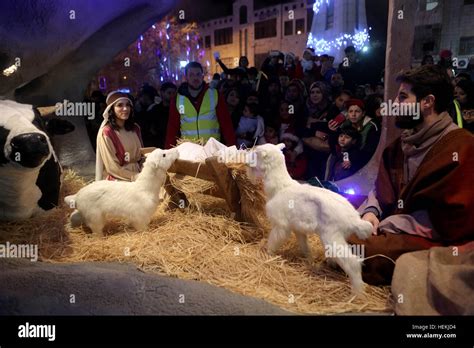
x,y
262,159
162,159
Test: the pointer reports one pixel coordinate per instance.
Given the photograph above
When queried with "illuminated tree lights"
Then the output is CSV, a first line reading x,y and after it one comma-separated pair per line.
x,y
359,39
156,56
317,4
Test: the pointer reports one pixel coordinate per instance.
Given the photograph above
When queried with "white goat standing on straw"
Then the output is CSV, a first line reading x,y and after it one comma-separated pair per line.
x,y
135,202
306,209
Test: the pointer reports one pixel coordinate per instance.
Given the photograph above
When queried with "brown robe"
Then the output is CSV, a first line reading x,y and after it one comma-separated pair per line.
x,y
442,186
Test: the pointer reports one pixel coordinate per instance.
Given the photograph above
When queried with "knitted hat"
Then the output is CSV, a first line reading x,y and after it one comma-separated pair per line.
x,y
357,102
112,98
445,54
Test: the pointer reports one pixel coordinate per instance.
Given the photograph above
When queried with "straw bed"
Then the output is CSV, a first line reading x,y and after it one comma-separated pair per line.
x,y
202,243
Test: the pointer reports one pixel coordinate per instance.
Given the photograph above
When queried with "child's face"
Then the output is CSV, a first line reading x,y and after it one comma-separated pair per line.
x,y
284,80
355,114
341,100
247,112
233,98
270,132
307,56
345,141
288,144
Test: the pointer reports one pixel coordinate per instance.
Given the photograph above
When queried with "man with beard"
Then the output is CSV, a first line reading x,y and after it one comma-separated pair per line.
x,y
423,194
198,112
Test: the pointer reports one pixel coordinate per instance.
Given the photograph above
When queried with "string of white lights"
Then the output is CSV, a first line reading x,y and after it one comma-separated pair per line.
x,y
358,39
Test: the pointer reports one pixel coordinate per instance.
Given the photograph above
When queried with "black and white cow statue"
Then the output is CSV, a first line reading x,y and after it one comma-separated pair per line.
x,y
30,174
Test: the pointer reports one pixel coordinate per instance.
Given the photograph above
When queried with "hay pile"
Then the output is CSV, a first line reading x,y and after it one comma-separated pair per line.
x,y
202,243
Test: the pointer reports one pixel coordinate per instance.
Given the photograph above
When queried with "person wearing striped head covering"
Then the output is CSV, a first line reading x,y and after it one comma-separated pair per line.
x,y
119,142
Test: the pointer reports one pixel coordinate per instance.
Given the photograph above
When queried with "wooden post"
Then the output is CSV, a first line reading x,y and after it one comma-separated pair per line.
x,y
227,184
400,36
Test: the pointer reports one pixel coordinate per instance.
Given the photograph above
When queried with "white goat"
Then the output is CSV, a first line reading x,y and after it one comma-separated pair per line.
x,y
134,202
306,209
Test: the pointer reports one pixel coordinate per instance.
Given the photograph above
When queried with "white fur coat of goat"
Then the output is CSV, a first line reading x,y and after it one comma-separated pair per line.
x,y
306,209
134,202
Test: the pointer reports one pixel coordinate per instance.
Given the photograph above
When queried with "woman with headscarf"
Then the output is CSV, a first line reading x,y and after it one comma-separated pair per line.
x,y
318,102
119,141
315,136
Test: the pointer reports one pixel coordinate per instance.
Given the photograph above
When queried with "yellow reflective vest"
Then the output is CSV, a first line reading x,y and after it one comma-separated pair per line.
x,y
458,113
196,126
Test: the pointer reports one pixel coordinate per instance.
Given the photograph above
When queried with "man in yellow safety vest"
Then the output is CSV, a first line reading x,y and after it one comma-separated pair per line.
x,y
198,112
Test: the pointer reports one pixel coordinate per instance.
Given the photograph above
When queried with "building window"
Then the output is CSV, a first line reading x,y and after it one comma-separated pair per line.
x,y
299,26
288,28
468,2
207,41
428,46
223,36
266,29
309,19
243,15
466,45
330,15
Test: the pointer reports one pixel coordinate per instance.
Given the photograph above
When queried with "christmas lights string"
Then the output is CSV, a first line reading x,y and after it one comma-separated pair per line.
x,y
358,39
